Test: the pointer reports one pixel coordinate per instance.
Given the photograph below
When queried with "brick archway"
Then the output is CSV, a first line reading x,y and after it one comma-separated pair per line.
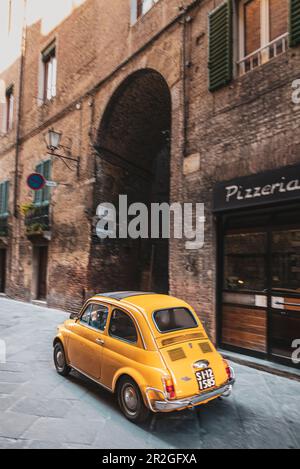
x,y
133,158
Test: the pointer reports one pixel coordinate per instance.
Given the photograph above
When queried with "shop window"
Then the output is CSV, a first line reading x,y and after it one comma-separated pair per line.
x,y
49,73
286,261
9,106
263,32
245,262
42,197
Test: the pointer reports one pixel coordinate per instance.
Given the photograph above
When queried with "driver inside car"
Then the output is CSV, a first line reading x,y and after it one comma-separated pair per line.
x,y
99,319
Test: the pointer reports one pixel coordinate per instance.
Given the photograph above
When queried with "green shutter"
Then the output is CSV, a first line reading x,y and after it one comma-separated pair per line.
x,y
47,175
6,194
220,46
1,199
294,23
38,195
4,188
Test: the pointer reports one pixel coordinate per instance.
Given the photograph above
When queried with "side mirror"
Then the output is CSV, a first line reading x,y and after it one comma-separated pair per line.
x,y
74,316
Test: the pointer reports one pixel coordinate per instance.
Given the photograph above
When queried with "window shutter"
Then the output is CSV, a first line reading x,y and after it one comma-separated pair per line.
x,y
1,200
38,195
47,175
5,190
294,23
4,198
220,46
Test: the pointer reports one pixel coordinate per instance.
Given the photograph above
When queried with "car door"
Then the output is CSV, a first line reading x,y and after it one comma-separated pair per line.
x,y
122,345
85,348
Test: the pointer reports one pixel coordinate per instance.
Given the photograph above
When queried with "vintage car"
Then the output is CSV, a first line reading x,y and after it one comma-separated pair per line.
x,y
150,350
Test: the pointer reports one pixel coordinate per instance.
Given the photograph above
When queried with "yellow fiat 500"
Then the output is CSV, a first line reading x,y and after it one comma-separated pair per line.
x,y
150,350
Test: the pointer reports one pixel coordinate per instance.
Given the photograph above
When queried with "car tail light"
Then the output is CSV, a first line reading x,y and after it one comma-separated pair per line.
x,y
169,387
228,369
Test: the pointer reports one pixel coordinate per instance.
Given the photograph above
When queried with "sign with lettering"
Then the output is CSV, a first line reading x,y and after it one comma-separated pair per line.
x,y
262,189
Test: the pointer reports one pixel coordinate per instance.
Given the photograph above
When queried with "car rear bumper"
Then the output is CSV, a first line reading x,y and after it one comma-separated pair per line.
x,y
170,406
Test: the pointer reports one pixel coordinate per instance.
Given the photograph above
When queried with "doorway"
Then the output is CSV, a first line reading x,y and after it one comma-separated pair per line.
x,y
260,304
41,268
2,270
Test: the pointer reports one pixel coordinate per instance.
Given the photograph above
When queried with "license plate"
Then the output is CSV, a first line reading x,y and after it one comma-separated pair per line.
x,y
206,379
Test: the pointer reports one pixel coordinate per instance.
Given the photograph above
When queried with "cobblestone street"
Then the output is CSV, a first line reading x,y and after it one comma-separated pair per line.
x,y
39,409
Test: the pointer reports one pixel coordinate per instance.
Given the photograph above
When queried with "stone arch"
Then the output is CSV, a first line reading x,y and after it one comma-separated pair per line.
x,y
133,158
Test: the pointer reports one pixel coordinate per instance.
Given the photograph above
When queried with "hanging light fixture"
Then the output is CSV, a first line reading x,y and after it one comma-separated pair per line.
x,y
53,139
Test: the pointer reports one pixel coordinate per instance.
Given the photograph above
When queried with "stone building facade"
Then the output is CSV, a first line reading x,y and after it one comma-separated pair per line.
x,y
162,101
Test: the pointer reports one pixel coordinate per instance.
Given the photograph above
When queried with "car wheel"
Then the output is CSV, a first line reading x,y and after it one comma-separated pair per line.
x,y
60,361
131,401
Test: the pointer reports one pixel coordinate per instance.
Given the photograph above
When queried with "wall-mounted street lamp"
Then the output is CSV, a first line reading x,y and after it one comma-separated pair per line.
x,y
53,141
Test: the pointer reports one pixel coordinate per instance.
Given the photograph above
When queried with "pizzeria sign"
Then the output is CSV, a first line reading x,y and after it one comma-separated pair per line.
x,y
262,189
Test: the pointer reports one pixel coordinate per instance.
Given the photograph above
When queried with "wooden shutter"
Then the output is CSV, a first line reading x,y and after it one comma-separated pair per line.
x,y
4,198
47,175
38,195
294,23
1,199
220,46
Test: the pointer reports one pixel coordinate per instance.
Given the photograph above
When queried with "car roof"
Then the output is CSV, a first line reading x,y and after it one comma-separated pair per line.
x,y
145,301
123,295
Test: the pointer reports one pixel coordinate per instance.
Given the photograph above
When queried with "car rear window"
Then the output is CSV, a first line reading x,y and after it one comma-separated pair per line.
x,y
174,319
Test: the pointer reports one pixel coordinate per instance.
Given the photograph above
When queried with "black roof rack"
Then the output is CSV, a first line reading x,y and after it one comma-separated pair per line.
x,y
125,294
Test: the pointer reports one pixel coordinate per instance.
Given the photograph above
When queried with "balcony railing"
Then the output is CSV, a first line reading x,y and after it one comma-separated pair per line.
x,y
37,220
3,226
263,55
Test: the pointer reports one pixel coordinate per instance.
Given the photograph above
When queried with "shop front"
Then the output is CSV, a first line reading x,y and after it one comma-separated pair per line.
x,y
259,264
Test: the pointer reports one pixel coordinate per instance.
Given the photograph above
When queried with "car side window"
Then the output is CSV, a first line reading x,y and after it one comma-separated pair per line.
x,y
95,316
122,327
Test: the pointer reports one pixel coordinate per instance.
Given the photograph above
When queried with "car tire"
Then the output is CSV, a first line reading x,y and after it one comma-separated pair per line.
x,y
60,361
131,401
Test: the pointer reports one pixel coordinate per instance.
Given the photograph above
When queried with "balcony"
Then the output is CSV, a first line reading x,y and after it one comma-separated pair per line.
x,y
37,220
263,55
3,226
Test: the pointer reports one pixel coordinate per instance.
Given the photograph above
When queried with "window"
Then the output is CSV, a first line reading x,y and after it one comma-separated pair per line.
x,y
42,197
9,22
4,187
174,319
245,262
122,327
9,105
50,73
140,8
263,31
95,316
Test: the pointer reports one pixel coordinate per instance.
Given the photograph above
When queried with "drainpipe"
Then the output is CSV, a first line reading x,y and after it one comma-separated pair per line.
x,y
186,19
19,117
184,87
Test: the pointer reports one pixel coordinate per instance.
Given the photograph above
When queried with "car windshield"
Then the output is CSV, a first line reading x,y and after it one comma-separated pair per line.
x,y
174,319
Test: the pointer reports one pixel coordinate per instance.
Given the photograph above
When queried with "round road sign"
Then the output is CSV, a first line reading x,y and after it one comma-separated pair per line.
x,y
36,181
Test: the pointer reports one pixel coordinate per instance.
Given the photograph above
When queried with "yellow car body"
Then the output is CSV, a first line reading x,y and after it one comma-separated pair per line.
x,y
172,369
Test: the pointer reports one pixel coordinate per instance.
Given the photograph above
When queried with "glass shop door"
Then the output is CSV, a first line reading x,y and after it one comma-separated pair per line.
x,y
284,334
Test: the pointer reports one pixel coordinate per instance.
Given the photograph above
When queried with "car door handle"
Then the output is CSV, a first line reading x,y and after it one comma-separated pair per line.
x,y
100,342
